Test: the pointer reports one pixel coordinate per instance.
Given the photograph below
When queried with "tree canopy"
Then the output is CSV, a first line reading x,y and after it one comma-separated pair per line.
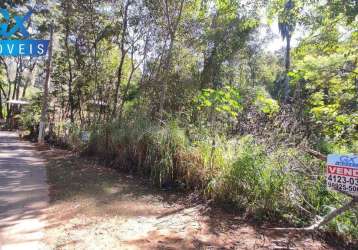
x,y
183,88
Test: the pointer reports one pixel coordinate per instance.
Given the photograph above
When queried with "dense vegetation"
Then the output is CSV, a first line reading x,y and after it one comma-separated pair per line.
x,y
188,93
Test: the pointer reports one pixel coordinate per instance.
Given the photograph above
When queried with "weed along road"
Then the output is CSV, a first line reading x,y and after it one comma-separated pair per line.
x,y
23,195
54,199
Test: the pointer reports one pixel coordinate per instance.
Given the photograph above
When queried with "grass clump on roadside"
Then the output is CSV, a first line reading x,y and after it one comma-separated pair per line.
x,y
161,152
265,181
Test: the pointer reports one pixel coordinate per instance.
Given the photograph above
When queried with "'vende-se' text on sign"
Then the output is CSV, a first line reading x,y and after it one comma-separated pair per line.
x,y
342,173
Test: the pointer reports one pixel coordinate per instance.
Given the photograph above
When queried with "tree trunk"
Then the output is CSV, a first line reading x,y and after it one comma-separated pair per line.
x,y
46,91
288,54
167,66
172,27
125,92
19,80
2,93
70,79
123,56
28,82
12,107
119,81
1,114
6,96
210,70
286,87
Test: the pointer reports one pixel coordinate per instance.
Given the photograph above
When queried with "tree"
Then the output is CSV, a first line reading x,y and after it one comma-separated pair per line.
x,y
286,24
124,8
228,32
45,101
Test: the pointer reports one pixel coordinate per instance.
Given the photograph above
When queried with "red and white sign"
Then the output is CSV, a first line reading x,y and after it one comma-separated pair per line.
x,y
342,173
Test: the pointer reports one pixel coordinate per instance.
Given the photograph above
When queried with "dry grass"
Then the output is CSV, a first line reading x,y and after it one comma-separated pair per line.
x,y
93,207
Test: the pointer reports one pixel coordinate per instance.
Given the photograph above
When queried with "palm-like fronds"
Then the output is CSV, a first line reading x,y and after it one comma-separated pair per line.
x,y
286,22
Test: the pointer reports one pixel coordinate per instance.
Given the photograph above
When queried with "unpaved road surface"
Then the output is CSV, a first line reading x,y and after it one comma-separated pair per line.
x,y
86,206
96,208
23,195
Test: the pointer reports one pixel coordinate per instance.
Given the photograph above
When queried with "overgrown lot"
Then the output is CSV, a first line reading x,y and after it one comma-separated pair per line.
x,y
94,207
267,181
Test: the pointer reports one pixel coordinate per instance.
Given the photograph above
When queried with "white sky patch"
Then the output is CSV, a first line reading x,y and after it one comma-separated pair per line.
x,y
277,43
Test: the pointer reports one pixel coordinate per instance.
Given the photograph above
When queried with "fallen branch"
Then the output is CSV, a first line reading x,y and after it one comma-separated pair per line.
x,y
325,220
314,153
330,216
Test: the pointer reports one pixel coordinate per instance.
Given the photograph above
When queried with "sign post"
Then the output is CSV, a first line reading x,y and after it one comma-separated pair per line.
x,y
342,173
85,136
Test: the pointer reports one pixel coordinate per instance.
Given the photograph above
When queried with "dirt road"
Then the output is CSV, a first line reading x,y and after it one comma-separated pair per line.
x,y
93,207
88,206
23,195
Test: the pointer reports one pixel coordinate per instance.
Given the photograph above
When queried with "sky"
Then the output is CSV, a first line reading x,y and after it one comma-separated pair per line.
x,y
276,43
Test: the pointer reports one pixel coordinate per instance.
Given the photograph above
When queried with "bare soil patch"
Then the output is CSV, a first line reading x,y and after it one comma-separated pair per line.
x,y
94,207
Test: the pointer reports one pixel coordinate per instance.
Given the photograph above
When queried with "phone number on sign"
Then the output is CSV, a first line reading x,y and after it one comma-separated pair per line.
x,y
343,179
343,187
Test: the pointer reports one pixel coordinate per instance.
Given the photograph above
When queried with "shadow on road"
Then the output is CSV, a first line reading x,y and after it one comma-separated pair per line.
x,y
95,206
23,193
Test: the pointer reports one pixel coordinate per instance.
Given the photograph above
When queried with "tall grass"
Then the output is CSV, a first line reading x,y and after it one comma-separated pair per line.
x,y
159,151
267,182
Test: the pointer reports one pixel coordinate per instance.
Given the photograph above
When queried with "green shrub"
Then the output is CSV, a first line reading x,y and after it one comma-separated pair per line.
x,y
250,177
